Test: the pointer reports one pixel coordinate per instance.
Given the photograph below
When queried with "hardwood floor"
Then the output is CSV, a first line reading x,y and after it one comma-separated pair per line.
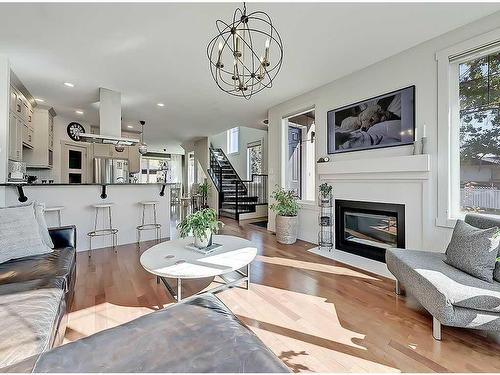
x,y
314,313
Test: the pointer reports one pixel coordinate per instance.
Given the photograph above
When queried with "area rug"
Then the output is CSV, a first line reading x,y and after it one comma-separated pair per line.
x,y
262,224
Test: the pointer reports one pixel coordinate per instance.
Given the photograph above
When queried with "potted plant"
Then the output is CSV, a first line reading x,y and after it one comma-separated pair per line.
x,y
204,190
202,224
286,208
325,192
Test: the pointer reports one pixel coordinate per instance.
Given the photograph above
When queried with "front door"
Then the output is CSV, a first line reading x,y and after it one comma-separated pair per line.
x,y
294,159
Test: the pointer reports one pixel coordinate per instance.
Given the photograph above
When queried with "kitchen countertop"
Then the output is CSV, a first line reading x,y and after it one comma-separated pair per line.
x,y
61,184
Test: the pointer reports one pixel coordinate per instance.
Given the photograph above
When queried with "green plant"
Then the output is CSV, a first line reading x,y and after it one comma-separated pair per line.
x,y
286,202
199,223
204,189
325,190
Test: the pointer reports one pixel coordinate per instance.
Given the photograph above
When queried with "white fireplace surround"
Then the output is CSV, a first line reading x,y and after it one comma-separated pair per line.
x,y
399,179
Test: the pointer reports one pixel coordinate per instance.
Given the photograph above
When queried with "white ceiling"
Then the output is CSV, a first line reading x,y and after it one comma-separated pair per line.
x,y
155,53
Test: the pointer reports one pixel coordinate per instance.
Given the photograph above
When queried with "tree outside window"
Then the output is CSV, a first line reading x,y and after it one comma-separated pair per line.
x,y
479,95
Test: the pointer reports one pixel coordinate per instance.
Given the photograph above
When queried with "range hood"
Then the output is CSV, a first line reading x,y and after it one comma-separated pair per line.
x,y
107,139
110,121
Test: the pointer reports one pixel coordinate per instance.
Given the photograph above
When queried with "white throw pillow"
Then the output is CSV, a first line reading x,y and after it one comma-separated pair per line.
x,y
42,224
19,233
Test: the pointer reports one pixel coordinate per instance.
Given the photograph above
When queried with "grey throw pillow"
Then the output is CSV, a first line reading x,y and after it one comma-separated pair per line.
x,y
473,250
20,234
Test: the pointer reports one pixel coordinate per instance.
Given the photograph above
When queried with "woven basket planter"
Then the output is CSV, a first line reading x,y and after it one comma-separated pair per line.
x,y
286,229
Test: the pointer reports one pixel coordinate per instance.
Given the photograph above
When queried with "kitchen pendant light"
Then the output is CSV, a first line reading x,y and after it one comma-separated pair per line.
x,y
143,148
246,54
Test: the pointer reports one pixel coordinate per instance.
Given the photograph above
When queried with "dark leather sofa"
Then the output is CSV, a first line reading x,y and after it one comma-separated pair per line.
x,y
198,335
34,295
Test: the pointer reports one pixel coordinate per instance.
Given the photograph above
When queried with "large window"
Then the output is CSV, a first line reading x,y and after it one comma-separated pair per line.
x,y
254,159
233,140
161,169
479,137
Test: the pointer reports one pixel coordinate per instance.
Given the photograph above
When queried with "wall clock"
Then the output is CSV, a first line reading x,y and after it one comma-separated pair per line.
x,y
74,129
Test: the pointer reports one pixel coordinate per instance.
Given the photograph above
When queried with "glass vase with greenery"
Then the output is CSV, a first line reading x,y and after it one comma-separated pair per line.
x,y
202,224
325,192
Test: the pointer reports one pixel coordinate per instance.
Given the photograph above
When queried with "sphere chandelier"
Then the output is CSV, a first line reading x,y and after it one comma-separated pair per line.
x,y
246,54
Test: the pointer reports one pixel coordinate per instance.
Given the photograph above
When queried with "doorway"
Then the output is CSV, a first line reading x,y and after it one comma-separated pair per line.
x,y
300,171
74,163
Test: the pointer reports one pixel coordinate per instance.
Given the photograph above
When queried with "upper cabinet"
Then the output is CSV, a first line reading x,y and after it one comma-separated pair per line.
x,y
40,154
22,134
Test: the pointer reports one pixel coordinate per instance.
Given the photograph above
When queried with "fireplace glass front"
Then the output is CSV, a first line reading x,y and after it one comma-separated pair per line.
x,y
370,229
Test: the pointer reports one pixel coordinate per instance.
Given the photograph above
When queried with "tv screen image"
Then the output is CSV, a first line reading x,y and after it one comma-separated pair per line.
x,y
384,121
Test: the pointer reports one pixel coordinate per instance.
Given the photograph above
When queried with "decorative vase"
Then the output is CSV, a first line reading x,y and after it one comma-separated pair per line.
x,y
202,243
286,229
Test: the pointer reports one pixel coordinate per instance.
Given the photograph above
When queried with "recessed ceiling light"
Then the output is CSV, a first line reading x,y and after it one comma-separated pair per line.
x,y
69,84
79,112
130,126
39,100
161,105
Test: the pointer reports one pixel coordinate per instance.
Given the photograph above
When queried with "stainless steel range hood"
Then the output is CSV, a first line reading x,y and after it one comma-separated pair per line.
x,y
110,121
107,139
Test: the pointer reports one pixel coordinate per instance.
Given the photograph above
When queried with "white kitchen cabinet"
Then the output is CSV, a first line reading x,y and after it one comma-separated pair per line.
x,y
42,139
101,151
134,159
27,134
119,155
15,138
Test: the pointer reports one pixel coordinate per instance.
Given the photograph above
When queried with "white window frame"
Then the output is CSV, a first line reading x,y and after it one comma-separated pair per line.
x,y
230,144
448,210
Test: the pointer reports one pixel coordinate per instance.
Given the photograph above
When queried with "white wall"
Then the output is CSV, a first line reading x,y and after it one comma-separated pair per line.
x,y
239,160
78,200
416,66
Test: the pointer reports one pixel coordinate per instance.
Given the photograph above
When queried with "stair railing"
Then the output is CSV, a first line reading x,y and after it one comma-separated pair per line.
x,y
215,173
256,187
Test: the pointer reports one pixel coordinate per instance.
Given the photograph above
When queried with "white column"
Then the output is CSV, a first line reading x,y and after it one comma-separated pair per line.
x,y
4,123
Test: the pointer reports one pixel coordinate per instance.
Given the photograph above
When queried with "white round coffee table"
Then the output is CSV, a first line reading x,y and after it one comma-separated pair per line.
x,y
172,259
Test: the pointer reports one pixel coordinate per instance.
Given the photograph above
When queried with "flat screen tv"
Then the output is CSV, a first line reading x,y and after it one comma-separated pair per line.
x,y
384,121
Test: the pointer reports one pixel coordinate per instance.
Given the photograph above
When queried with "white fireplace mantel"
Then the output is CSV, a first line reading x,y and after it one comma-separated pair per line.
x,y
410,167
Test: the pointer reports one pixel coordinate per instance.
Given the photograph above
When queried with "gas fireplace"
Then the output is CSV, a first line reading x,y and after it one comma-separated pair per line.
x,y
369,228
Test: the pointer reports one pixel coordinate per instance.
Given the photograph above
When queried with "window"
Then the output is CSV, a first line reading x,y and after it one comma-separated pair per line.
x,y
300,155
166,169
468,131
254,159
233,140
479,103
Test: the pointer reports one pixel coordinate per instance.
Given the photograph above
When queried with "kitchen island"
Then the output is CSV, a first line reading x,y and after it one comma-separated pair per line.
x,y
78,199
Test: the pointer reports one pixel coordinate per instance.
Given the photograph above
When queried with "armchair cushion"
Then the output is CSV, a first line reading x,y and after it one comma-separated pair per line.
x,y
30,313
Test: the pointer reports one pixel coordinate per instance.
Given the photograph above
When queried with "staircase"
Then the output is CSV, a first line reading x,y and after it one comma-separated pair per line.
x,y
236,196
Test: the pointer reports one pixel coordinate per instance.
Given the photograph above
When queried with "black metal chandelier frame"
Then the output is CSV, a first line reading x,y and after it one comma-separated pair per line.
x,y
257,73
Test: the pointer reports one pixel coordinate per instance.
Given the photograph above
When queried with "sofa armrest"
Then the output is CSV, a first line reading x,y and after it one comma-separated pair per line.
x,y
63,236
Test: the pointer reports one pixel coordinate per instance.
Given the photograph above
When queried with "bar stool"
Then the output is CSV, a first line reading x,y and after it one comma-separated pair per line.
x,y
149,226
56,209
109,231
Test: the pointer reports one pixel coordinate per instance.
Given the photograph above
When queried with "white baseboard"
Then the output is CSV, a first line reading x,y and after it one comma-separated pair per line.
x,y
357,261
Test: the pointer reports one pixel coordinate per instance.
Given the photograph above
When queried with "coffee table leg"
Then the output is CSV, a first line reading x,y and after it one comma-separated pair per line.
x,y
179,290
248,276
